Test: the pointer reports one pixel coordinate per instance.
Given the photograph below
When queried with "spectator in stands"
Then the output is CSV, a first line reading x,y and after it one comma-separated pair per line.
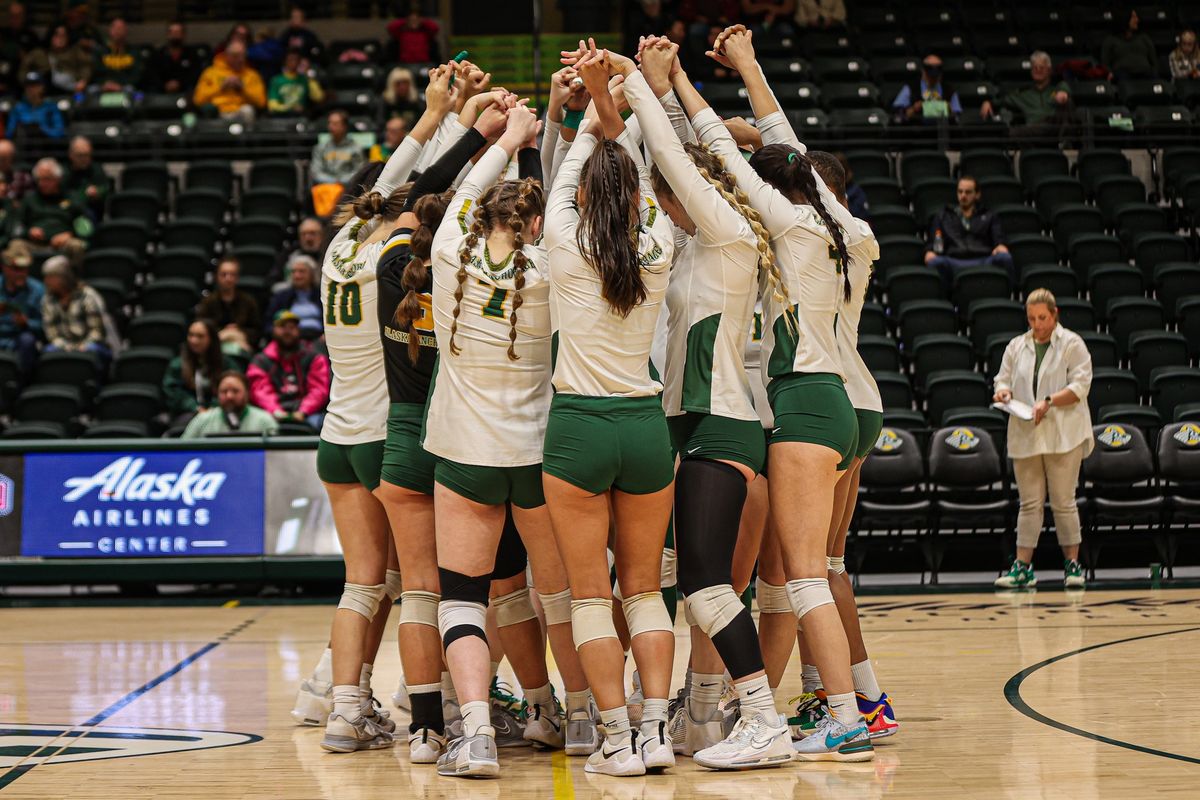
x,y
333,163
18,36
190,382
233,413
302,297
929,99
700,15
33,114
1185,58
644,18
85,182
310,242
77,21
174,67
232,310
856,198
774,16
118,68
68,66
8,219
20,306
820,13
73,313
416,38
401,98
1044,107
50,220
289,379
231,85
1127,52
394,131
966,236
298,36
13,182
292,92
1048,369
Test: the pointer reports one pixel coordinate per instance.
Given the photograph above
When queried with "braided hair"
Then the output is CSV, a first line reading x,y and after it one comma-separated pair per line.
x,y
429,210
371,204
608,226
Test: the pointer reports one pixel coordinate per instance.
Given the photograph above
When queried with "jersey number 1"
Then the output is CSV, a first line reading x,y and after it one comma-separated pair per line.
x,y
346,310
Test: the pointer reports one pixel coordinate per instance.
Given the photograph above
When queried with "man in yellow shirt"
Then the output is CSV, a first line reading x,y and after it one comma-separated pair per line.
x,y
231,85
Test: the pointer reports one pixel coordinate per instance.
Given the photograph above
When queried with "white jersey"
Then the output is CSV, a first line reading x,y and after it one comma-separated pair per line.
x,y
751,361
358,397
600,353
486,409
860,385
714,279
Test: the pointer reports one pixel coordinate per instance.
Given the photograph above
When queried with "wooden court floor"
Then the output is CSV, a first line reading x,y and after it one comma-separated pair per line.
x,y
1036,696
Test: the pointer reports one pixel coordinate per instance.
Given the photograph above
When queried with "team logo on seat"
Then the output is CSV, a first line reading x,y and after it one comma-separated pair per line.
x,y
1188,435
7,501
962,439
1115,436
888,441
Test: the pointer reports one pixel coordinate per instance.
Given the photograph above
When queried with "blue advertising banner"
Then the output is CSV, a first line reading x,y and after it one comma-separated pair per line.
x,y
149,504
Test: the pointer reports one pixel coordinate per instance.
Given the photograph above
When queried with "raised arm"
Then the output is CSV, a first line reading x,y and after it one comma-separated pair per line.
x,y
562,216
439,99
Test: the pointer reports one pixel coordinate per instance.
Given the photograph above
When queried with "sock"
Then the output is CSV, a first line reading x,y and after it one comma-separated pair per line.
x,y
687,682
448,688
637,682
541,696
477,715
810,677
654,710
346,702
706,693
845,708
577,702
364,686
864,680
615,724
755,697
495,670
426,701
324,670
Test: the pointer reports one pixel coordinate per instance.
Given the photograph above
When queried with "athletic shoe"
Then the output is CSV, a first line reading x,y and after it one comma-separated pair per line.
x,y
881,719
544,726
655,748
619,760
345,736
470,757
501,695
1019,576
582,737
811,708
452,717
1073,574
314,702
700,734
509,732
833,741
676,702
379,715
400,696
425,746
754,743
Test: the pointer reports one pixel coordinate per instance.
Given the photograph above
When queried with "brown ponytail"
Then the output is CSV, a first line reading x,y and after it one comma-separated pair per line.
x,y
429,210
608,226
371,204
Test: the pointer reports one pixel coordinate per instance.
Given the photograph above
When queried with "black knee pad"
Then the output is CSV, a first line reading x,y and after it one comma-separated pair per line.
x,y
737,644
709,497
467,588
511,557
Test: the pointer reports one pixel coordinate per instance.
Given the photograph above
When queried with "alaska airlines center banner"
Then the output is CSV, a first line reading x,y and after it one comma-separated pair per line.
x,y
142,504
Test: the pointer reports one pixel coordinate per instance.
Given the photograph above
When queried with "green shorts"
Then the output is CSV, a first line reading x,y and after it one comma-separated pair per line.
x,y
814,408
492,486
718,439
350,463
870,423
598,443
405,462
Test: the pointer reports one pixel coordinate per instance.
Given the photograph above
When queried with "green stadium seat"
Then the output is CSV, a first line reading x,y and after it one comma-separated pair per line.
x,y
1095,164
978,283
134,402
869,164
1089,249
1151,349
215,175
139,205
117,429
189,263
1060,280
940,351
951,388
894,390
1134,220
1107,281
202,203
1174,281
1180,163
1073,220
157,329
275,173
892,221
1187,318
835,68
257,260
141,365
35,430
879,353
1038,165
859,123
111,264
1052,193
1017,219
150,176
1111,387
930,195
882,191
256,231
857,96
192,232
1092,94
987,317
1146,417
1171,387
1187,412
1114,192
1147,92
1152,249
1029,249
268,203
124,234
1127,315
170,294
904,284
983,163
1076,314
922,317
1000,191
919,165
1102,347
56,403
873,321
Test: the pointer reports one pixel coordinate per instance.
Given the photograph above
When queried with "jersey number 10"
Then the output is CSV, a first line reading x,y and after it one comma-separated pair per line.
x,y
346,310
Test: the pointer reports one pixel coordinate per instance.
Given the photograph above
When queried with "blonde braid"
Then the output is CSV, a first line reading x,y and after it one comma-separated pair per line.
x,y
464,258
516,221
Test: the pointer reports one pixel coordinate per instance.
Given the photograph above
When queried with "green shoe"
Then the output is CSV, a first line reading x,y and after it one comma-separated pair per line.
x,y
1020,576
811,708
1073,574
502,697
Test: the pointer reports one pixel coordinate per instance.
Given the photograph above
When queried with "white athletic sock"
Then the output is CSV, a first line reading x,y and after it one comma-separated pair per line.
x,y
541,696
364,686
844,708
578,701
324,670
495,669
346,702
810,677
448,692
864,680
755,697
615,725
654,710
475,715
687,682
706,694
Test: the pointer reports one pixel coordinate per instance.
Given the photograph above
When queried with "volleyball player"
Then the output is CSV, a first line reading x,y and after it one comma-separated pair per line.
x,y
610,249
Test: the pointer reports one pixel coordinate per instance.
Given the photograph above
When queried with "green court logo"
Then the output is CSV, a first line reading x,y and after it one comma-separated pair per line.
x,y
44,745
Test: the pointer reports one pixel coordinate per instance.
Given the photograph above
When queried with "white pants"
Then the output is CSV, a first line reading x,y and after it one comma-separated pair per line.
x,y
1059,472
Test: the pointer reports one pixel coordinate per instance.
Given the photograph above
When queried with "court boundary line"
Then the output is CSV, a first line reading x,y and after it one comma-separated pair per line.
x,y
1012,693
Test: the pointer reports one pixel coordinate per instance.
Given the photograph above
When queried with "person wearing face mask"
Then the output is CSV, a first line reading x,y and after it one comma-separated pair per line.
x,y
174,67
1185,59
929,99
234,412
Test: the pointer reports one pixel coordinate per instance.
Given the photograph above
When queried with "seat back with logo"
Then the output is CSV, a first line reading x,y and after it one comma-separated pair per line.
x,y
1121,456
964,457
895,462
1179,453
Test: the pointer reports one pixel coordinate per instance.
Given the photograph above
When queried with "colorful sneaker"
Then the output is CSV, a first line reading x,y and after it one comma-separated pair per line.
x,y
753,743
314,701
881,719
833,741
501,695
470,757
811,708
345,736
620,760
1073,574
543,726
1020,576
425,746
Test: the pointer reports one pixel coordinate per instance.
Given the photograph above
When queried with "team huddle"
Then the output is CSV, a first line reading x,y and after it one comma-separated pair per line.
x,y
559,374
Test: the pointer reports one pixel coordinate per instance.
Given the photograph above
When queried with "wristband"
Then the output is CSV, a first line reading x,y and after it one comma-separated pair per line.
x,y
571,119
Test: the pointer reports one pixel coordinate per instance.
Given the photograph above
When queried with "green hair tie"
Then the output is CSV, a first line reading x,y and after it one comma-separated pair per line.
x,y
791,156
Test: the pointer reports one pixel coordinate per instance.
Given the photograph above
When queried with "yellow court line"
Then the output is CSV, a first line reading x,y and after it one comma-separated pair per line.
x,y
564,788
230,604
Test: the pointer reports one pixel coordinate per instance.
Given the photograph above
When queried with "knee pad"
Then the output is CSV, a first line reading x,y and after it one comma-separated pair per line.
x,y
591,619
511,557
668,572
471,588
616,591
514,608
772,599
419,608
805,594
714,608
392,585
557,607
458,619
836,564
362,599
688,617
646,612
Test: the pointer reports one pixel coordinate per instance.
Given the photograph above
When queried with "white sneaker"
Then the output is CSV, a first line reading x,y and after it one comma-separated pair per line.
x,y
655,746
544,726
379,715
621,760
425,746
702,734
833,741
400,696
314,701
583,737
346,736
452,715
470,756
753,743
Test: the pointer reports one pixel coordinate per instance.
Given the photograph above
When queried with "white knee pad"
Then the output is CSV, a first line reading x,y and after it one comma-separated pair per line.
x,y
669,570
617,590
836,564
392,586
459,618
591,619
805,594
714,607
514,608
419,608
772,599
688,617
362,599
646,612
557,607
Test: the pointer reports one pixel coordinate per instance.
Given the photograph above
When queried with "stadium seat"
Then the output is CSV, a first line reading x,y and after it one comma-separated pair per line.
x,y
850,95
10,379
212,174
859,123
35,430
1147,92
257,260
785,69
1175,281
1039,165
1119,485
994,349
836,67
117,429
191,232
1151,349
150,176
256,231
1153,249
1060,280
1109,281
1111,387
930,195
1144,417
139,205
67,368
899,251
893,486
988,317
873,321
1029,249
1179,472
990,419
141,365
1076,314
202,203
1101,347
1052,193
1180,163
968,481
268,203
1114,192
116,296
904,418
879,353
796,95
919,165
122,234
1133,220
894,389
922,317
1171,387
1018,219
940,351
1000,190
112,264
1095,164
892,221
189,263
978,283
275,173
882,191
1127,315
157,329
170,294
134,402
869,164
1187,317
1074,219
906,284
1087,250
983,163
56,403
1094,94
